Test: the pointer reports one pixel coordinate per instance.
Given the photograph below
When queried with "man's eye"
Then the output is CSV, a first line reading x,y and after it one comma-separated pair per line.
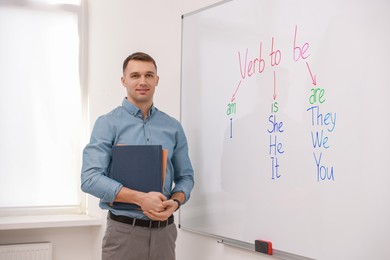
x,y
134,76
149,75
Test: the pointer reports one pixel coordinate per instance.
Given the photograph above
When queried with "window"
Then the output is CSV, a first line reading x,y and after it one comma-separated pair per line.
x,y
42,103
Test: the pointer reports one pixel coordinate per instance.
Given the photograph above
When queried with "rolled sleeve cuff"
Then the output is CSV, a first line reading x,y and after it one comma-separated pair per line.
x,y
186,193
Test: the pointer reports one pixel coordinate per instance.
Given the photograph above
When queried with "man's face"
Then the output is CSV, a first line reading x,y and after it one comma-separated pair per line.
x,y
140,80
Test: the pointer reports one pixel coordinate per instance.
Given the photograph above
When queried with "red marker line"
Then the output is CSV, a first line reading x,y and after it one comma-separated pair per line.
x,y
313,78
274,85
235,92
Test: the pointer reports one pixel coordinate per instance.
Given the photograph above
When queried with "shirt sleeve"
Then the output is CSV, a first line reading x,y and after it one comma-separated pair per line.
x,y
183,171
97,162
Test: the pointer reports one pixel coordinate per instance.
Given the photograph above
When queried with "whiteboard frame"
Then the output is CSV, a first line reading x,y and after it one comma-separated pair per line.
x,y
244,245
220,239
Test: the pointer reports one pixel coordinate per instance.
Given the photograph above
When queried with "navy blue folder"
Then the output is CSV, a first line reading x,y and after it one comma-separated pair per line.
x,y
138,167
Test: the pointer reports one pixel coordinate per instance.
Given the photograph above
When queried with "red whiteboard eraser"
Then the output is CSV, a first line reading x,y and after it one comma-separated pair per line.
x,y
263,246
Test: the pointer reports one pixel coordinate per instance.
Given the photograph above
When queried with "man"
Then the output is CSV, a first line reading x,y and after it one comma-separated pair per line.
x,y
148,233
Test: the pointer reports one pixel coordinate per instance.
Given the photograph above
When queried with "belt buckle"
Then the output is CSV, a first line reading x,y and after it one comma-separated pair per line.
x,y
162,223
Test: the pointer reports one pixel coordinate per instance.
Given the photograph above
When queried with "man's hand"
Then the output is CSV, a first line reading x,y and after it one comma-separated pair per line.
x,y
147,201
170,207
152,201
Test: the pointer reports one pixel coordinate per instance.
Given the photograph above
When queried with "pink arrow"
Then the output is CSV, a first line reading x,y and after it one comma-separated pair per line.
x,y
313,78
235,92
274,85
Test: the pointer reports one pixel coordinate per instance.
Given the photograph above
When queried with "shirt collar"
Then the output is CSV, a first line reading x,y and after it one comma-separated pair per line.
x,y
135,111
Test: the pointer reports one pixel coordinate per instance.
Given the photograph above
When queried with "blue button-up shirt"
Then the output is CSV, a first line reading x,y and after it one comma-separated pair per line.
x,y
125,125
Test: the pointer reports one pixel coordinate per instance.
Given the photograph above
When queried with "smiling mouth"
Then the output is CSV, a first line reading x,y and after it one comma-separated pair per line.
x,y
142,91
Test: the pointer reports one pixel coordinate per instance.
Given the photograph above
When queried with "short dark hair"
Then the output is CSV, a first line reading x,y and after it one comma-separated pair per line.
x,y
139,56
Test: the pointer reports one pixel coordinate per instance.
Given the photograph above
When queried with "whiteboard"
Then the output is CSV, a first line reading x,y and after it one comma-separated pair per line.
x,y
286,109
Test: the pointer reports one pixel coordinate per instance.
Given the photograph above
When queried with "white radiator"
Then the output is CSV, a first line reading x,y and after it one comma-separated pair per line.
x,y
34,251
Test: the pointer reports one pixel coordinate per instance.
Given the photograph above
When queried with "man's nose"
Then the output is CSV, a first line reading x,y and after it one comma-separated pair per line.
x,y
142,80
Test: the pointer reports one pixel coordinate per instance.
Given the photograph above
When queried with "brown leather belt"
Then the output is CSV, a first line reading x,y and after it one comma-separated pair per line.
x,y
141,222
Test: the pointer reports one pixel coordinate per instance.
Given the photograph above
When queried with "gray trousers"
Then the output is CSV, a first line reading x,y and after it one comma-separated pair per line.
x,y
125,242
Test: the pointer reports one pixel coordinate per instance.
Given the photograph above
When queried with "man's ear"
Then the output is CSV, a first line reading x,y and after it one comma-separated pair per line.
x,y
123,81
